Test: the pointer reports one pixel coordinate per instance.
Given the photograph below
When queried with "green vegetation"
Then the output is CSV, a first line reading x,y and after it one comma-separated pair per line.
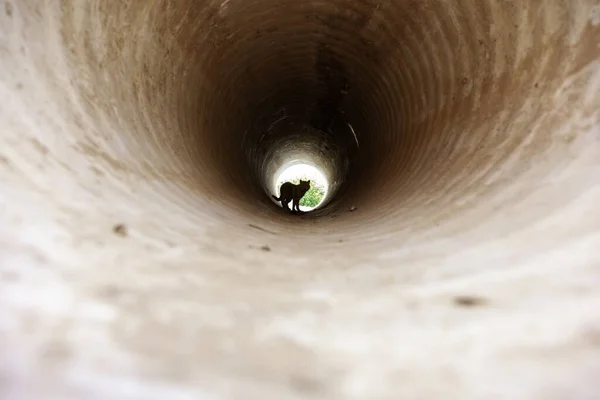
x,y
314,194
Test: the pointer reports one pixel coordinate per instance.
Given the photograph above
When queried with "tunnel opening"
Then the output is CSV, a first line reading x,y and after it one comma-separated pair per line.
x,y
298,170
299,146
459,140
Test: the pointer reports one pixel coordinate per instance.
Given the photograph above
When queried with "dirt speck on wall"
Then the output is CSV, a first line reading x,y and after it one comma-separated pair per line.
x,y
142,258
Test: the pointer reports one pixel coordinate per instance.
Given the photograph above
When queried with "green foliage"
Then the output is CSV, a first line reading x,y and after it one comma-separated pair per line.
x,y
314,194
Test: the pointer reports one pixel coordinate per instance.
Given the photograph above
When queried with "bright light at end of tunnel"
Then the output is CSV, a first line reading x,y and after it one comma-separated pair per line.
x,y
319,184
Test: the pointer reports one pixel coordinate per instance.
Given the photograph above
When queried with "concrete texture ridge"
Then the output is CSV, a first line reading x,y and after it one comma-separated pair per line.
x,y
457,255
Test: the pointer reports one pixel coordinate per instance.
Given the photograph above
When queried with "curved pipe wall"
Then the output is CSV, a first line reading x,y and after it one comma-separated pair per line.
x,y
457,258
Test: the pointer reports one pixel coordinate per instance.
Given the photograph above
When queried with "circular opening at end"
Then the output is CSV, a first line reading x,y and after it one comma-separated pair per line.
x,y
319,185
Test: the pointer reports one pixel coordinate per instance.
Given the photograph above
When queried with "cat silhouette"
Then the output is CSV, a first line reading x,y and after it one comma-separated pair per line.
x,y
291,192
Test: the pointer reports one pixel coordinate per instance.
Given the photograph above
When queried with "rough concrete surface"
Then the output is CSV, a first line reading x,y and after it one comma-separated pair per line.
x,y
141,259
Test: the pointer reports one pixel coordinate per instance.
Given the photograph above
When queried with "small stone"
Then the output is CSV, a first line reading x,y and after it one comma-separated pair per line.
x,y
469,301
352,208
120,230
265,248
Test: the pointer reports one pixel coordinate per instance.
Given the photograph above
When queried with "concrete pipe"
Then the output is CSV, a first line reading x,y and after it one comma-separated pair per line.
x,y
457,255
